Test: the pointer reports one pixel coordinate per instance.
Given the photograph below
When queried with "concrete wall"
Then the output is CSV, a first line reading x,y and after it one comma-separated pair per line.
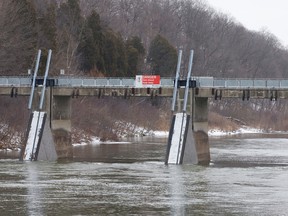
x,y
200,129
61,125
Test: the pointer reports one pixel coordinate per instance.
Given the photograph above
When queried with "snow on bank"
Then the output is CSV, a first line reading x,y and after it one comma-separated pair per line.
x,y
161,133
97,141
246,130
218,132
93,141
140,132
212,133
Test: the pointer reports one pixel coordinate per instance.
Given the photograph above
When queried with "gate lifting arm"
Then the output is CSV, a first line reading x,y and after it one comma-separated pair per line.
x,y
176,81
188,81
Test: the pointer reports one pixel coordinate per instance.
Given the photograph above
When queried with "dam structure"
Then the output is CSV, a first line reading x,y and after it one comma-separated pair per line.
x,y
50,100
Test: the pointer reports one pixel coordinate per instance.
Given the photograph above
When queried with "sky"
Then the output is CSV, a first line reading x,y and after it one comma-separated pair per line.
x,y
271,15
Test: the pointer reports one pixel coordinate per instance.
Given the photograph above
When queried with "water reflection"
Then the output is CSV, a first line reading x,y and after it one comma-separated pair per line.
x,y
34,192
177,190
247,177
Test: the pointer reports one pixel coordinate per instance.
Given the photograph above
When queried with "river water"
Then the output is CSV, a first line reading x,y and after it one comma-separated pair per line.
x,y
247,176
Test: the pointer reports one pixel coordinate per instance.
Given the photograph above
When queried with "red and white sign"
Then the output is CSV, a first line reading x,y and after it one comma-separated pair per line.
x,y
147,81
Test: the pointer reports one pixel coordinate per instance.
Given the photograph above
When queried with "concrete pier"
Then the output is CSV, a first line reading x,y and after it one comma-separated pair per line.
x,y
200,130
61,125
55,137
39,143
188,141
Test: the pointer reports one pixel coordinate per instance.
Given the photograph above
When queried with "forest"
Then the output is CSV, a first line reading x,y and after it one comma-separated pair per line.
x,y
122,38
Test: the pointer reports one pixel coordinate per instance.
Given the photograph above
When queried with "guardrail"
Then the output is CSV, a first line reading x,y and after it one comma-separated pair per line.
x,y
166,82
15,81
249,83
81,82
91,82
106,82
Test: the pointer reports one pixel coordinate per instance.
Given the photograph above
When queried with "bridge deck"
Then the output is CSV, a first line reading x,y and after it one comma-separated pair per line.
x,y
125,87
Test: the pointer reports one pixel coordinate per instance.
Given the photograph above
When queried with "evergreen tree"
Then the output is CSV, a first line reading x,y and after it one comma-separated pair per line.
x,y
137,44
91,47
135,55
114,54
102,50
162,56
122,57
132,61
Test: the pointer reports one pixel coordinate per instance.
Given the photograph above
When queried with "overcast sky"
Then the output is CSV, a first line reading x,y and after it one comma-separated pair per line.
x,y
258,14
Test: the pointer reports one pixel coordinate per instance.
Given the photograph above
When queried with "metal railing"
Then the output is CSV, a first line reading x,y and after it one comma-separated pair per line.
x,y
81,82
250,83
15,81
91,82
166,82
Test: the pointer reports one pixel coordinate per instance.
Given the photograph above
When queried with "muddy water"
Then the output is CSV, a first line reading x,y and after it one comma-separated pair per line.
x,y
247,176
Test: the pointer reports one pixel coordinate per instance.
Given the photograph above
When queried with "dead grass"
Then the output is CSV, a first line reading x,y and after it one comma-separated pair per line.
x,y
217,121
107,118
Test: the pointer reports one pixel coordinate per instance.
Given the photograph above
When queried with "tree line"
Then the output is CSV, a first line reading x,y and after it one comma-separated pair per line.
x,y
81,43
127,37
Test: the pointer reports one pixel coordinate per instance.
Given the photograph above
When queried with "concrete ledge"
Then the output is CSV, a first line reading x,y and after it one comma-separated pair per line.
x,y
61,125
63,143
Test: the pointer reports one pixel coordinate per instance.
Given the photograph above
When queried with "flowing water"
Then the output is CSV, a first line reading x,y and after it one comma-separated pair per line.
x,y
247,176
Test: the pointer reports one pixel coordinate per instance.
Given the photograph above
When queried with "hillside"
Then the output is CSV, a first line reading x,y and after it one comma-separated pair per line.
x,y
116,38
113,38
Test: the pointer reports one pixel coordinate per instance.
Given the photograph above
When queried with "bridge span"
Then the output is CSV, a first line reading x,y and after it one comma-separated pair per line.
x,y
193,120
204,87
61,90
48,134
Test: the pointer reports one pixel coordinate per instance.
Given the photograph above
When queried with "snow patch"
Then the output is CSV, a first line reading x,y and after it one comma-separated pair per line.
x,y
246,130
126,129
161,133
93,140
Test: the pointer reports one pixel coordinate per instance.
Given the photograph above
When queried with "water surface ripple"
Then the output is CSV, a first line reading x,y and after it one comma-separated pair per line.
x,y
247,176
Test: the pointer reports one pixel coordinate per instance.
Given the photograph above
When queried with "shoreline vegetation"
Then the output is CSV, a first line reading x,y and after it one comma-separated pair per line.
x,y
84,138
111,119
92,140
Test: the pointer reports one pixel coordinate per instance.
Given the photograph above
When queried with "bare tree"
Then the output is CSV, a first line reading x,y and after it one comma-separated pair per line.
x,y
70,27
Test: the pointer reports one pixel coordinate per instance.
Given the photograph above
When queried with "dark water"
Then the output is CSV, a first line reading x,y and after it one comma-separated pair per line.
x,y
247,176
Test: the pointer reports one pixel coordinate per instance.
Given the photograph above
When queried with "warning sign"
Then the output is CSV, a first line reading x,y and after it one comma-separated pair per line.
x,y
147,81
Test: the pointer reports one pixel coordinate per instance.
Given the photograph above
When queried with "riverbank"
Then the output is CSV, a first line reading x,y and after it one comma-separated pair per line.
x,y
244,130
86,139
211,133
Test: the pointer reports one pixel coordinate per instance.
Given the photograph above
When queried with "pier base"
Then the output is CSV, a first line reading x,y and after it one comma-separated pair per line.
x,y
188,141
186,146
